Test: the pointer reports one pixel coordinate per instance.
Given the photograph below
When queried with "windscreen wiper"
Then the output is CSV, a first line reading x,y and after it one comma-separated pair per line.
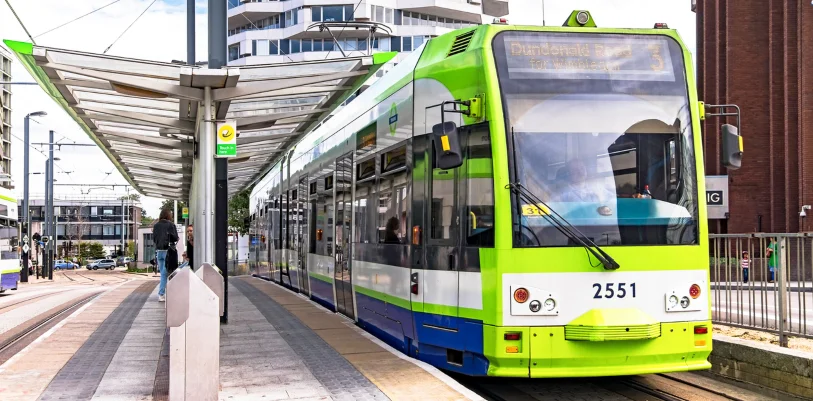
x,y
564,226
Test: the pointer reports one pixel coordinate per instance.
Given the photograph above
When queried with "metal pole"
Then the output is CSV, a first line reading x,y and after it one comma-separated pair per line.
x,y
783,292
123,244
46,226
218,180
51,193
175,211
207,163
190,32
26,217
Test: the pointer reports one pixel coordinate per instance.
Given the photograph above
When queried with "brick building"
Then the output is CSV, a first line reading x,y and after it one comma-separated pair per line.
x,y
758,54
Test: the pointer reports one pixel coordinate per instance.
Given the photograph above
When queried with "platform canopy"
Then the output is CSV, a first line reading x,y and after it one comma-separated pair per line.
x,y
145,115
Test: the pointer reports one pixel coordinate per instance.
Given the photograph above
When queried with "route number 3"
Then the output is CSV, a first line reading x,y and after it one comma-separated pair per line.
x,y
613,290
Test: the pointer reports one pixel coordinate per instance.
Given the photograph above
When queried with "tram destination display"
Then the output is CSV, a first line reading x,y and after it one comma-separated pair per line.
x,y
534,56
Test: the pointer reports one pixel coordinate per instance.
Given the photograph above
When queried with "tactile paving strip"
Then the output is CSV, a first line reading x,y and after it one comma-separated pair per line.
x,y
337,375
80,377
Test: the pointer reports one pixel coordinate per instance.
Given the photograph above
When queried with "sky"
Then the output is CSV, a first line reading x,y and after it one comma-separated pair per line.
x,y
160,34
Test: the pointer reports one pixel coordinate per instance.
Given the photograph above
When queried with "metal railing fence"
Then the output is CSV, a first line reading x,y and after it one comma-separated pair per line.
x,y
773,293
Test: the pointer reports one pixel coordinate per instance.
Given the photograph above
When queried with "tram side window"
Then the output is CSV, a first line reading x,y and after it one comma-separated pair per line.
x,y
365,194
8,243
393,198
443,207
479,189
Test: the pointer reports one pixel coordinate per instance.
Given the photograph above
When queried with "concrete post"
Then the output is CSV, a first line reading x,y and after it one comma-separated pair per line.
x,y
212,276
194,338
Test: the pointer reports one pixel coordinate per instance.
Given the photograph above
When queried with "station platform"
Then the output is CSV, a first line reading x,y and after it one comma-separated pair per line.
x,y
102,335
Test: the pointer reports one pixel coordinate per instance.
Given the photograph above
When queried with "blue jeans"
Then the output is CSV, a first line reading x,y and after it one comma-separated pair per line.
x,y
772,270
161,259
745,275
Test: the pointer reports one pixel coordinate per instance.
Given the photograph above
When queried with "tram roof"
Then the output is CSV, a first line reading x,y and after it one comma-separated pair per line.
x,y
144,114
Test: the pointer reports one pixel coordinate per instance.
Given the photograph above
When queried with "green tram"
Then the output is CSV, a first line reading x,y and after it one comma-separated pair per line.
x,y
508,201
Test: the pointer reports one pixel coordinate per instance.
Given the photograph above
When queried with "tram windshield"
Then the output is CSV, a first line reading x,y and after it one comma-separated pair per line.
x,y
600,130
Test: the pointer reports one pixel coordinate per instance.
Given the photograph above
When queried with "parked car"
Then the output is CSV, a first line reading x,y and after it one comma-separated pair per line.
x,y
123,261
106,264
64,264
90,263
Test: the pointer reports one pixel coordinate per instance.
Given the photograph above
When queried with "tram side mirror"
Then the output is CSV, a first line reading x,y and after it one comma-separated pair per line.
x,y
448,154
731,147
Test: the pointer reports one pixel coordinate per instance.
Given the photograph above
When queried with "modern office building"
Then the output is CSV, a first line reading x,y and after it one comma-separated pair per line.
x,y
759,55
5,118
97,220
263,31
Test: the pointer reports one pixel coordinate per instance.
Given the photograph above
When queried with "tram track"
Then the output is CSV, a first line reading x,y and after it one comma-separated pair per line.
x,y
637,388
16,339
10,305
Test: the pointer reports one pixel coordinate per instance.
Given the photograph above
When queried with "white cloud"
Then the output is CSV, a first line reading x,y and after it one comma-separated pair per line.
x,y
160,34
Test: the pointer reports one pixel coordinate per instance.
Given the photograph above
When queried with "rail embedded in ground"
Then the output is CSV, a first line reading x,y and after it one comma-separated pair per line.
x,y
775,302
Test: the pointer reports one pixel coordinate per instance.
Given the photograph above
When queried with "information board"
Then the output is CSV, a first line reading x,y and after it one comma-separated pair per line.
x,y
540,56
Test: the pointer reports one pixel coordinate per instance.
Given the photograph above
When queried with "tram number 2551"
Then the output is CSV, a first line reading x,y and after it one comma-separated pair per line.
x,y
614,290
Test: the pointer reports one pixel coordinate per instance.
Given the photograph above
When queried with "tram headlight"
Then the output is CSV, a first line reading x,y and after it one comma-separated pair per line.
x,y
684,302
535,306
694,291
550,304
673,301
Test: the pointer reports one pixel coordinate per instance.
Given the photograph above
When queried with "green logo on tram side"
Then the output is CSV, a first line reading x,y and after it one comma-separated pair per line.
x,y
393,119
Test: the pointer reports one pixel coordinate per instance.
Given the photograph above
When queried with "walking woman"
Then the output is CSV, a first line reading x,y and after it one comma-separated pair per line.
x,y
163,234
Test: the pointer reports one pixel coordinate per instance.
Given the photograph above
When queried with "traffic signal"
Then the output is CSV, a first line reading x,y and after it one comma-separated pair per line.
x,y
45,240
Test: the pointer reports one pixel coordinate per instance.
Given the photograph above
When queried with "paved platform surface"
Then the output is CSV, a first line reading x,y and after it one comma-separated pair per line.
x,y
276,346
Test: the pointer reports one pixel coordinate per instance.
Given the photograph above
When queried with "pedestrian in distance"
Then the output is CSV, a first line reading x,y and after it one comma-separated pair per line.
x,y
746,265
772,252
164,234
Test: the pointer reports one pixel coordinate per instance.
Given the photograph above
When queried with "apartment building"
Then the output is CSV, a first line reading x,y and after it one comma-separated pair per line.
x,y
5,118
98,220
270,31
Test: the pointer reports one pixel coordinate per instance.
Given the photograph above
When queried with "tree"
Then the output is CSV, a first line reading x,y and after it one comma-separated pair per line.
x,y
238,212
167,204
130,252
146,220
132,197
91,250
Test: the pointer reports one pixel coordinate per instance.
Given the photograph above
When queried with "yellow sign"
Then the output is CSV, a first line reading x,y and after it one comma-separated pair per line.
x,y
185,212
226,139
538,210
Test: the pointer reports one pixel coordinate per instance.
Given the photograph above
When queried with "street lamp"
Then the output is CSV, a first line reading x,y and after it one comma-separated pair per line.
x,y
26,215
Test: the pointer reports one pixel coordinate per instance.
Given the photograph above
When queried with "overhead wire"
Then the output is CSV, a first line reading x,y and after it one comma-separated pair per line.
x,y
21,22
342,30
77,18
128,28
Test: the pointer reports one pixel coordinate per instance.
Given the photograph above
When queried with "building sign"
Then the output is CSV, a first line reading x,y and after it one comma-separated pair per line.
x,y
540,56
226,139
717,196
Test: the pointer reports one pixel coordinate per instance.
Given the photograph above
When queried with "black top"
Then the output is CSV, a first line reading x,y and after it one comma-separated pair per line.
x,y
164,233
190,250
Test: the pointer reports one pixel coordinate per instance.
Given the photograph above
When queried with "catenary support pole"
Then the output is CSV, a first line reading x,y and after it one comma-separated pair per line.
x,y
26,218
51,207
217,59
190,32
46,226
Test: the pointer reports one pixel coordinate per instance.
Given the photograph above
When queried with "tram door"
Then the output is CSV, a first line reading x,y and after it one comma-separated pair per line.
x,y
442,239
342,272
302,234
